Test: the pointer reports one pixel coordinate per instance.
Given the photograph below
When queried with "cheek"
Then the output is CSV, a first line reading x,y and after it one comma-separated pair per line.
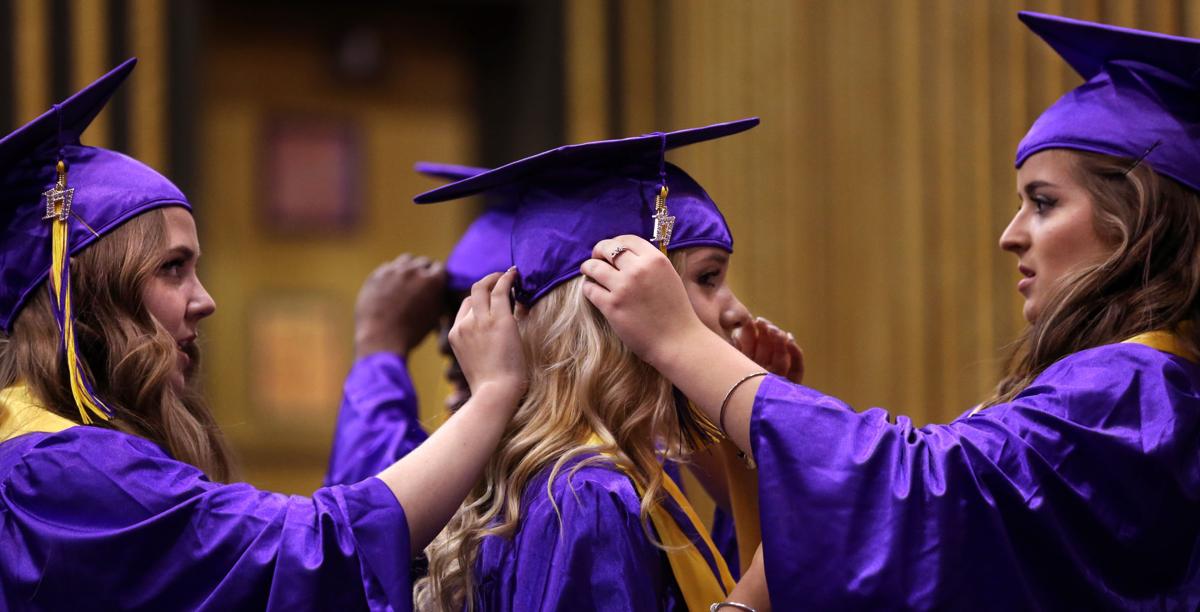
x,y
163,302
706,307
1069,247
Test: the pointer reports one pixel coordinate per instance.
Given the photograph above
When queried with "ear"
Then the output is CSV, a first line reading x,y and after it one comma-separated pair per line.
x,y
520,312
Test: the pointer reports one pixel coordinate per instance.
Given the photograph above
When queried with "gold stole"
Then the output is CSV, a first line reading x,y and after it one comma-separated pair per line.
x,y
22,413
743,501
1159,339
700,587
1164,341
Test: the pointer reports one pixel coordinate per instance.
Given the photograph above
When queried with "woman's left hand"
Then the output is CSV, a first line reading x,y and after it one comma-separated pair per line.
x,y
772,348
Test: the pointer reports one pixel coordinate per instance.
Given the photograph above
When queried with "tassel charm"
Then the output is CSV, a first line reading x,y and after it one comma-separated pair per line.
x,y
664,223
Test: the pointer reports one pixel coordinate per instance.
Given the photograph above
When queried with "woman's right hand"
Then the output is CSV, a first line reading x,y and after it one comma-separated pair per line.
x,y
637,289
486,341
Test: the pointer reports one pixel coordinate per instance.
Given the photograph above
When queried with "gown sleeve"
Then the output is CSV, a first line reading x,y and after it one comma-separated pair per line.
x,y
595,556
1082,493
378,423
97,519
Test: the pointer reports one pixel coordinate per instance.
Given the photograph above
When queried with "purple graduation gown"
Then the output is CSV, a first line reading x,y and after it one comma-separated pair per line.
x,y
1081,493
598,557
92,518
378,421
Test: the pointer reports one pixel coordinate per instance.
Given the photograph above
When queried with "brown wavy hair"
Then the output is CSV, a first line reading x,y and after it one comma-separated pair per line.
x,y
126,353
1150,281
583,380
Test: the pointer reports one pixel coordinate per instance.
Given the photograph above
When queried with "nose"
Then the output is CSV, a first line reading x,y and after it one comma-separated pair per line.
x,y
734,314
1015,238
202,304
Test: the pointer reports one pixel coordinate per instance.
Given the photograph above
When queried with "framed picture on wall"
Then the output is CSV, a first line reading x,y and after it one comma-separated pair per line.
x,y
299,357
314,169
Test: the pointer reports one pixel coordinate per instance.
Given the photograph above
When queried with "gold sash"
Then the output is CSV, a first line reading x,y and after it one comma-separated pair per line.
x,y
22,413
699,585
1159,339
1164,341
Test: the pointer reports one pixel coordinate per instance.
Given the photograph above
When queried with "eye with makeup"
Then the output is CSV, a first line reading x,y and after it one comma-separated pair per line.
x,y
1042,203
709,278
174,265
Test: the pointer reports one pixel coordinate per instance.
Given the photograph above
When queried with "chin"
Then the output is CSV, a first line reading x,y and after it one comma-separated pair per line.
x,y
1029,312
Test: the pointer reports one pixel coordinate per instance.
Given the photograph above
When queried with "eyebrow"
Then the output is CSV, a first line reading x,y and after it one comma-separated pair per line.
x,y
1032,186
719,258
186,252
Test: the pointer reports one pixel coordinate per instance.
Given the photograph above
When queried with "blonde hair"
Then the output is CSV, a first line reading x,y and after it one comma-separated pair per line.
x,y
583,381
127,355
1150,281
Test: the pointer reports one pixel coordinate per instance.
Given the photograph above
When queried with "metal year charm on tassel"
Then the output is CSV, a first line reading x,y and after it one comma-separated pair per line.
x,y
59,197
664,223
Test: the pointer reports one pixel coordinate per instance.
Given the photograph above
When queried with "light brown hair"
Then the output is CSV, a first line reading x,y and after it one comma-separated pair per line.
x,y
126,354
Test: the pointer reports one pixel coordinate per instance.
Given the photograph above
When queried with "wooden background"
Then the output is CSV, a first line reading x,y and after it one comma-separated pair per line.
x,y
866,208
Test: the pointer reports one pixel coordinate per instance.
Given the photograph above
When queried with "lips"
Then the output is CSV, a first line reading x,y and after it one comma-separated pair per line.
x,y
1025,283
188,353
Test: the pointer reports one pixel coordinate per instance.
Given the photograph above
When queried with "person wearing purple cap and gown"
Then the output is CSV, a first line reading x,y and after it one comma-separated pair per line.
x,y
1077,484
574,510
378,420
112,492
399,304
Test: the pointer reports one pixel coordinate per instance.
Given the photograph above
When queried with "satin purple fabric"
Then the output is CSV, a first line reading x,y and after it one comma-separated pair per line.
x,y
95,519
110,188
1140,97
1082,493
571,197
561,217
378,422
485,247
597,556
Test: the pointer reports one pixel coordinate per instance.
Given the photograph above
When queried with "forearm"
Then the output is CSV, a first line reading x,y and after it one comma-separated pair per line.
x,y
432,481
751,590
704,367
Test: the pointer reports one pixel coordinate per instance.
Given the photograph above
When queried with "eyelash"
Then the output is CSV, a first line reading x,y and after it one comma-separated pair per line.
x,y
1041,203
706,279
173,265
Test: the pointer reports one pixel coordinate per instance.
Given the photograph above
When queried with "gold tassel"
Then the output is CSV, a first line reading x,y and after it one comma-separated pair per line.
x,y
58,210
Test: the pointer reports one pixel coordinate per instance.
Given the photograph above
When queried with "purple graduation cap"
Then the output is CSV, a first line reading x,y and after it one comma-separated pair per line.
x,y
58,196
568,199
1140,99
485,247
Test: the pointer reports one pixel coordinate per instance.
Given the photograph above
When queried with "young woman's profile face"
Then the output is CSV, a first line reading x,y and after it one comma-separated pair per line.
x,y
704,273
1053,233
174,295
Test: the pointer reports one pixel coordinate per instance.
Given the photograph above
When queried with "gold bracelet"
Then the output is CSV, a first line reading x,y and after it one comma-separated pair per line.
x,y
730,604
729,394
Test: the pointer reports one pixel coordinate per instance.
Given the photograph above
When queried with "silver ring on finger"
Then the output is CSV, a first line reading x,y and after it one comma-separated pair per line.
x,y
612,257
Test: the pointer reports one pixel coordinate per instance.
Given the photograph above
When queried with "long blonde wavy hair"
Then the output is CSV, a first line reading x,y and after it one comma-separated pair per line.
x,y
126,354
1150,281
583,380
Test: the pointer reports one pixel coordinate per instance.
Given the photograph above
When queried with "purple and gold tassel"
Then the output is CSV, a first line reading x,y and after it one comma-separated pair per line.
x,y
58,212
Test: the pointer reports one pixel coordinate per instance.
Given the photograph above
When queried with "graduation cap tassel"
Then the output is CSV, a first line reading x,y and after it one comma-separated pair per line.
x,y
58,212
